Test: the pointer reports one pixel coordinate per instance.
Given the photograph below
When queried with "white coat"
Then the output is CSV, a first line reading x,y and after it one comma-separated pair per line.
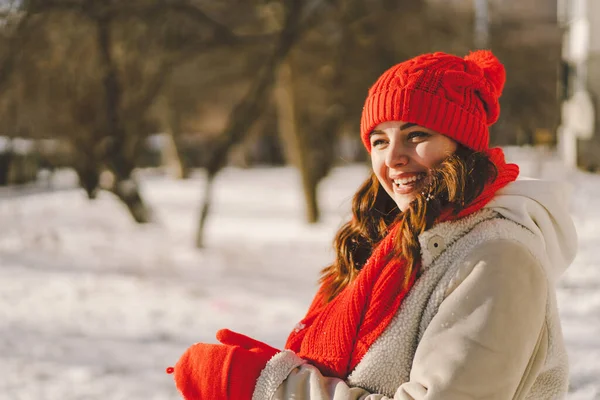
x,y
481,322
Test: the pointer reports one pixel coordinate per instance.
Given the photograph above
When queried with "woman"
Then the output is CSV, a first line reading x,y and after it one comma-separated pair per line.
x,y
443,284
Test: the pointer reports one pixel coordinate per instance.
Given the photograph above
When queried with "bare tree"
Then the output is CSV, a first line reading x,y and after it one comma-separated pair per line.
x,y
120,55
296,19
103,74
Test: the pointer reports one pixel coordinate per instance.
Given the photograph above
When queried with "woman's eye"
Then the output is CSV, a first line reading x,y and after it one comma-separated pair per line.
x,y
417,136
377,142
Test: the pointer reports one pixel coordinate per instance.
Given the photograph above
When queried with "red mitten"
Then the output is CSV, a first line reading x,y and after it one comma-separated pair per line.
x,y
227,371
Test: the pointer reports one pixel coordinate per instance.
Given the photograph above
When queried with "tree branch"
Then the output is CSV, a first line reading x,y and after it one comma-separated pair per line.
x,y
223,32
95,11
247,111
43,6
154,87
15,43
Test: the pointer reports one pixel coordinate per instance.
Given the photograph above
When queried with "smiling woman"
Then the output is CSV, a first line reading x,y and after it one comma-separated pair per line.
x,y
442,286
403,154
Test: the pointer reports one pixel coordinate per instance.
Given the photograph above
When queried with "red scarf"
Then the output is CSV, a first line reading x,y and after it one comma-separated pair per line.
x,y
335,336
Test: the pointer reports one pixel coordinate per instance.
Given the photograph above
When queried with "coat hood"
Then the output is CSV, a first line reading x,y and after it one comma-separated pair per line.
x,y
542,207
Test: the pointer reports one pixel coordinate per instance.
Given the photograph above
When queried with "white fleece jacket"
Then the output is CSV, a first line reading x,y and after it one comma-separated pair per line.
x,y
481,321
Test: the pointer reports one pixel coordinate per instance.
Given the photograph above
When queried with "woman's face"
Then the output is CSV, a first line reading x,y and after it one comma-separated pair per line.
x,y
402,154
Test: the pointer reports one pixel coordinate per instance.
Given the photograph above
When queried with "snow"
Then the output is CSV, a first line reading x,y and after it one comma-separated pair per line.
x,y
16,145
4,143
93,306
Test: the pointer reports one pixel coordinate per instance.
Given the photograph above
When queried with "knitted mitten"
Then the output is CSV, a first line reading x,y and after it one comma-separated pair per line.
x,y
227,371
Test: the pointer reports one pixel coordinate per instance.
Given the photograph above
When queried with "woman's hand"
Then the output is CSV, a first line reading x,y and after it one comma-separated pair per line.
x,y
224,371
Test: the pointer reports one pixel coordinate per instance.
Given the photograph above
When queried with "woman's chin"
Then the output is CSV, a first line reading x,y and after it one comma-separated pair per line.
x,y
403,201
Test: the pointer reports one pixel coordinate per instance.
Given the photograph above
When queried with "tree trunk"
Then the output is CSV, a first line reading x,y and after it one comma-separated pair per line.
x,y
6,158
295,142
89,180
248,110
206,203
126,188
309,184
128,191
170,155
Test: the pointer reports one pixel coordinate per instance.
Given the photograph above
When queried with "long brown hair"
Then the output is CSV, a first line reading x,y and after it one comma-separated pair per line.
x,y
455,183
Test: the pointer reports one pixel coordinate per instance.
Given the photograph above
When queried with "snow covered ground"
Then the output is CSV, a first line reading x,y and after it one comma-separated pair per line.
x,y
93,306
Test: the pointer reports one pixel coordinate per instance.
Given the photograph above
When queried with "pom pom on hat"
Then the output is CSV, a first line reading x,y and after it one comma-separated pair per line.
x,y
495,76
492,68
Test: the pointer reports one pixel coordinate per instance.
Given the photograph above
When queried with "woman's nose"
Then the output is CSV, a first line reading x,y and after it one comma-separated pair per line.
x,y
397,156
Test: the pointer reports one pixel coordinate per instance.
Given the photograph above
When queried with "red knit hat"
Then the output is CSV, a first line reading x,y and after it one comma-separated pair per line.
x,y
455,96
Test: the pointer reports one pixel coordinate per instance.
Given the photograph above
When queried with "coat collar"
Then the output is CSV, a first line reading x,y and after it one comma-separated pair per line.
x,y
435,240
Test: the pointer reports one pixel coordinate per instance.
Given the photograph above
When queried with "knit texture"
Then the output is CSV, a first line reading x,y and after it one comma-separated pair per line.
x,y
336,335
227,371
457,97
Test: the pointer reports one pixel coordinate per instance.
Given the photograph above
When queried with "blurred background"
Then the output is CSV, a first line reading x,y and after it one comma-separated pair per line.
x,y
172,167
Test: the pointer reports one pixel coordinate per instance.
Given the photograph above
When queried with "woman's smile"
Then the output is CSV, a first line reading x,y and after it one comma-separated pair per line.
x,y
407,182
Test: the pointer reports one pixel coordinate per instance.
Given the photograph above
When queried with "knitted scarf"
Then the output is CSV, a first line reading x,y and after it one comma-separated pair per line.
x,y
335,336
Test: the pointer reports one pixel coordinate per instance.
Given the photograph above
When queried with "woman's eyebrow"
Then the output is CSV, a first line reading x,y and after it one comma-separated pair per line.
x,y
403,127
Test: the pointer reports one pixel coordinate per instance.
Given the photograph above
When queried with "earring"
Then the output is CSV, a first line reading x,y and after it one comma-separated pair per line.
x,y
428,196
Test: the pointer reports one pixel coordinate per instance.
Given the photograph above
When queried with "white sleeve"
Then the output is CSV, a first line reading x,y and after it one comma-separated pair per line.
x,y
287,376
